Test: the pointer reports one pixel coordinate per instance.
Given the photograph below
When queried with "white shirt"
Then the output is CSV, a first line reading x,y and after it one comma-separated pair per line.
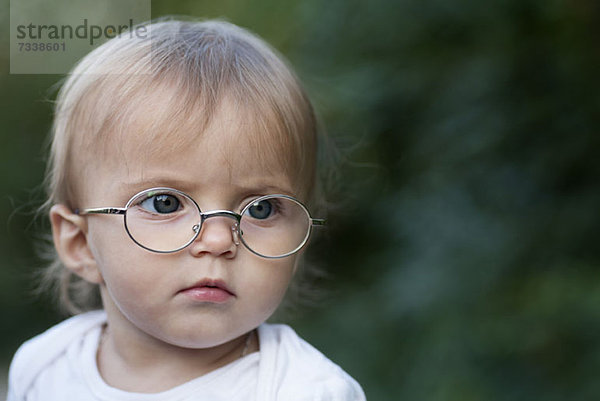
x,y
60,364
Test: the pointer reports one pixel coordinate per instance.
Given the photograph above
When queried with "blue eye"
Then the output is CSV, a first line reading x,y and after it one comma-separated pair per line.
x,y
162,204
260,210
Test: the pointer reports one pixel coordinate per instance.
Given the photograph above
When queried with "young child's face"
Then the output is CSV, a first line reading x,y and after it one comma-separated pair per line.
x,y
143,292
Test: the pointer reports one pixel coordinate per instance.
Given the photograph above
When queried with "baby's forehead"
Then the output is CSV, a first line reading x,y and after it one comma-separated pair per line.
x,y
163,124
228,134
163,130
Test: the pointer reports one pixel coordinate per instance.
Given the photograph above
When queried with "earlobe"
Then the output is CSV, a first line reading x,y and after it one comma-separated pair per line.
x,y
69,232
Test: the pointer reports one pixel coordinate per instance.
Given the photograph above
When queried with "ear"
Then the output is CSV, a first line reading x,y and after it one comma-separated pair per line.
x,y
69,232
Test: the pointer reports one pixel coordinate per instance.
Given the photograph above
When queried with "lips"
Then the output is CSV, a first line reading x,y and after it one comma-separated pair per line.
x,y
209,290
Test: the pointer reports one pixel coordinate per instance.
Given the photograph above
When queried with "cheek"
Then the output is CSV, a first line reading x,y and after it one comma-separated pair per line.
x,y
107,232
124,280
136,288
267,284
128,270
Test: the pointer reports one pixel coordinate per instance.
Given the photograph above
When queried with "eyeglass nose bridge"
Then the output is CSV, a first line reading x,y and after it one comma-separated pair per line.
x,y
221,213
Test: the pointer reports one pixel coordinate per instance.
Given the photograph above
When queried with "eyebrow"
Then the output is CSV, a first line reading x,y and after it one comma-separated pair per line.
x,y
258,187
143,184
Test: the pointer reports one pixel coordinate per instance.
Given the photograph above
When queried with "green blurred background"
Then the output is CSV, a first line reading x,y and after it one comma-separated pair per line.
x,y
462,254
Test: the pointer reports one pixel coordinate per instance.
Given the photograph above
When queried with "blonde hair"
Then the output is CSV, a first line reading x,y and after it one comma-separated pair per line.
x,y
193,66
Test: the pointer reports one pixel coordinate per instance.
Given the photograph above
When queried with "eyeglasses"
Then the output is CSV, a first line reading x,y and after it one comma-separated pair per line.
x,y
166,220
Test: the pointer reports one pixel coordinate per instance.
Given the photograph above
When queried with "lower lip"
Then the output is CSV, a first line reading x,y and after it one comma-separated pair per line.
x,y
208,294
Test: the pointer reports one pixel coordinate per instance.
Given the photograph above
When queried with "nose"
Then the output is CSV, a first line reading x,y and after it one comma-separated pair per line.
x,y
218,237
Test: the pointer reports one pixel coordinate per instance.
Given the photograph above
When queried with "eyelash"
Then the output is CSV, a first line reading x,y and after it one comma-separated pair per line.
x,y
277,209
275,204
155,195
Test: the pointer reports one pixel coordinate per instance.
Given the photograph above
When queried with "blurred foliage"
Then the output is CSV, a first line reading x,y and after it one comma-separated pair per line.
x,y
462,248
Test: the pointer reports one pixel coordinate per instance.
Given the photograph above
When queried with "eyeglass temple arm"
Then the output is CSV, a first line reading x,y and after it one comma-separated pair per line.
x,y
101,210
318,222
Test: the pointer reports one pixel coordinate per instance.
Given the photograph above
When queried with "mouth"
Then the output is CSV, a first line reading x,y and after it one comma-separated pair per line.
x,y
209,291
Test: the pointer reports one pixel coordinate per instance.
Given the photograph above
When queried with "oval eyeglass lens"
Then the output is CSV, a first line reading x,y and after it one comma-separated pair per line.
x,y
162,220
274,226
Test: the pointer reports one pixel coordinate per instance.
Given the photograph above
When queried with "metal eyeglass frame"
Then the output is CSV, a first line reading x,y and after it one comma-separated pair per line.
x,y
236,229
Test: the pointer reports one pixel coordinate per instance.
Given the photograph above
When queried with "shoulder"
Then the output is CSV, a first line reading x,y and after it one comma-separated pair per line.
x,y
40,351
299,371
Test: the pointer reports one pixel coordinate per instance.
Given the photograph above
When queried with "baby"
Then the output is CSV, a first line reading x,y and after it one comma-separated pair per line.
x,y
182,164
